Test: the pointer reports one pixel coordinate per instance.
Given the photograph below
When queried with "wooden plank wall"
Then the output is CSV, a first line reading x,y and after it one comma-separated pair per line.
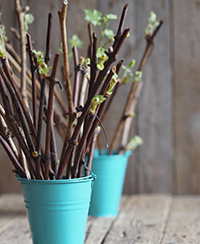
x,y
167,117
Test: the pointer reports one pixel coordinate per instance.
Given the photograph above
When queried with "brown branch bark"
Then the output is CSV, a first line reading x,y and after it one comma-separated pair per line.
x,y
127,124
15,129
71,113
146,53
18,168
121,25
26,110
52,80
77,72
33,78
20,13
73,140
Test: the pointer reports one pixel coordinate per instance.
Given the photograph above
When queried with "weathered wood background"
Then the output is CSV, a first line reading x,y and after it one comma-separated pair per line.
x,y
168,113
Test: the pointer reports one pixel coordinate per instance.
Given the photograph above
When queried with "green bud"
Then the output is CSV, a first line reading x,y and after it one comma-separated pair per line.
x,y
100,66
2,50
134,142
152,17
87,61
104,19
113,82
152,23
138,75
40,57
81,60
95,102
132,63
97,99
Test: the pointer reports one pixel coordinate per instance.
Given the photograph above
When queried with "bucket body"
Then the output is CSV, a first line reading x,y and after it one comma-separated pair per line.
x,y
57,209
106,194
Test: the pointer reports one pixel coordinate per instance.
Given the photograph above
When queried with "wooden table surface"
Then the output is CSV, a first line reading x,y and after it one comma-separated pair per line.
x,y
143,219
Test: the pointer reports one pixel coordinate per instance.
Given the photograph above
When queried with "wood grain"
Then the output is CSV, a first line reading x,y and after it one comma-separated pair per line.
x,y
140,220
187,99
149,219
184,221
155,108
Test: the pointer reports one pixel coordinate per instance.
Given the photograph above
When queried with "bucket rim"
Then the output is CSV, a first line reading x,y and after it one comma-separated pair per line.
x,y
91,177
115,154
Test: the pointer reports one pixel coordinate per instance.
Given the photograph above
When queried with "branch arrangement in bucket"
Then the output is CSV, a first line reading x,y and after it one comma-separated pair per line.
x,y
21,127
121,134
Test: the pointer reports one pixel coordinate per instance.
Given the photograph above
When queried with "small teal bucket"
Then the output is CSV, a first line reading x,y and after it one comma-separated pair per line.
x,y
57,209
106,194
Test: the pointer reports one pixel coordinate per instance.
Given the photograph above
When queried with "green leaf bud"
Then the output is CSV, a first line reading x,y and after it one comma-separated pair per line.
x,y
96,101
100,66
113,82
134,143
81,60
2,50
132,63
152,23
138,75
87,61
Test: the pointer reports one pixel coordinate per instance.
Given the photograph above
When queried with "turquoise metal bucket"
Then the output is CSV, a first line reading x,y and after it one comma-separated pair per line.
x,y
106,194
57,209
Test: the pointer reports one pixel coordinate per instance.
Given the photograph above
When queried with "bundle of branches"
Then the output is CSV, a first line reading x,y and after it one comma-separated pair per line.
x,y
121,133
79,123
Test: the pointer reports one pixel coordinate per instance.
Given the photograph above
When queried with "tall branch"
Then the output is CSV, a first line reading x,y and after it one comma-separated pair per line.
x,y
149,39
20,13
52,80
71,113
33,78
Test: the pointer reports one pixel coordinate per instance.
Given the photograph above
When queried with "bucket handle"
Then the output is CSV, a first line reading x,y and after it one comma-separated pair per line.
x,y
94,177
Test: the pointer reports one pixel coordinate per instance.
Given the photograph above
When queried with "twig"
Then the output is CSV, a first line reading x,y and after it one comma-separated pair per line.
x,y
149,39
90,46
18,168
39,127
77,72
127,124
48,39
91,152
19,97
19,112
14,126
71,113
103,112
93,62
20,13
7,135
52,80
18,68
133,88
101,107
121,24
33,72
